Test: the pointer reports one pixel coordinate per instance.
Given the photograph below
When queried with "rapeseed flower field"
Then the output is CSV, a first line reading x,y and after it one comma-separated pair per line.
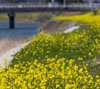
x,y
62,61
55,74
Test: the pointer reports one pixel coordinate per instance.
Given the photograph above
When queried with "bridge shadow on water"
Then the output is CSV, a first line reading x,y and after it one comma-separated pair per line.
x,y
21,31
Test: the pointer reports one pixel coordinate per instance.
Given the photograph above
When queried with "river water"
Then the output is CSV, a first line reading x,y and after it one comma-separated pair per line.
x,y
21,31
10,38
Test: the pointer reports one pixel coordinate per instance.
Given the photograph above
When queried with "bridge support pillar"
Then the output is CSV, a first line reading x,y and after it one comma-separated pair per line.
x,y
11,20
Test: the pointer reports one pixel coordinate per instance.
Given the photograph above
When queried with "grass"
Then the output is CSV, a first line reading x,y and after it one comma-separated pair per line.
x,y
79,44
27,15
37,15
70,46
91,23
5,16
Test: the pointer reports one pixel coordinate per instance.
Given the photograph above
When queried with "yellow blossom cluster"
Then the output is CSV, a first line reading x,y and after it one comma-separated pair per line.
x,y
56,74
86,18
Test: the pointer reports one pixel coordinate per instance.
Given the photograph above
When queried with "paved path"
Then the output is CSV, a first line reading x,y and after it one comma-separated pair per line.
x,y
9,55
71,29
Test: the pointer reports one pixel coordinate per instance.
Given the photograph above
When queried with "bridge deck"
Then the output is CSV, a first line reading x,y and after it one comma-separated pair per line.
x,y
13,8
31,7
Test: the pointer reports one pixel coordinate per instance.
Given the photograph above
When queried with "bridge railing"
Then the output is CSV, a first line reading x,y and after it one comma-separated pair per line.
x,y
38,5
84,5
23,5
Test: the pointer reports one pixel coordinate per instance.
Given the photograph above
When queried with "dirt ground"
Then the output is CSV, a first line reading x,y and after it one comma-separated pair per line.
x,y
7,44
56,27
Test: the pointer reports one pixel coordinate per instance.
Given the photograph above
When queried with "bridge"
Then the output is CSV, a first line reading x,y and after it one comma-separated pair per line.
x,y
42,6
